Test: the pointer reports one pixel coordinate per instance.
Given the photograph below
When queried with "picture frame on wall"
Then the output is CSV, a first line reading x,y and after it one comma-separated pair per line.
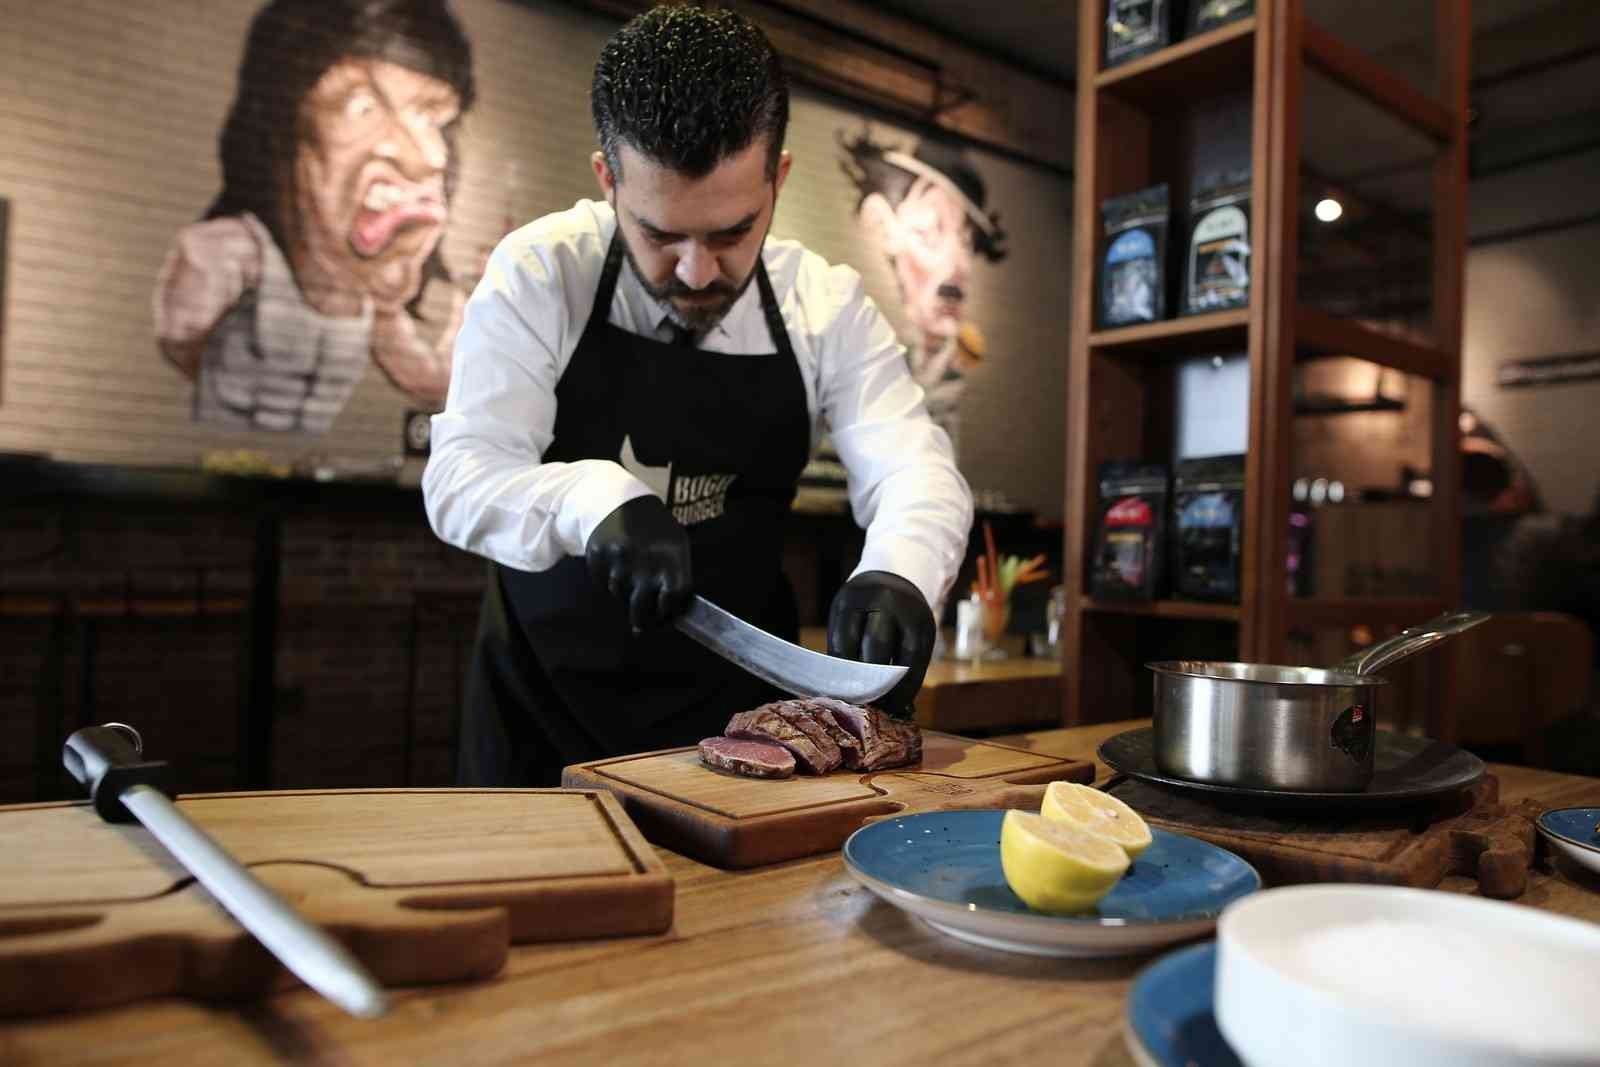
x,y
1549,370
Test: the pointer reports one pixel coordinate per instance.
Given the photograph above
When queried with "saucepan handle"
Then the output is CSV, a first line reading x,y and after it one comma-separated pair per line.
x,y
1409,642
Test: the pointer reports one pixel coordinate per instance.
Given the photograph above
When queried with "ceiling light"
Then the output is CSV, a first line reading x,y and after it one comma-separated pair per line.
x,y
1329,209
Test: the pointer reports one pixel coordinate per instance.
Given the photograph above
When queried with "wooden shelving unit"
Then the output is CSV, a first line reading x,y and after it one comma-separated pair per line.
x,y
1131,133
1165,609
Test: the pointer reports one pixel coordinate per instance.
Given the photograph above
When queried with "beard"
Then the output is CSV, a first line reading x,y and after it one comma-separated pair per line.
x,y
698,317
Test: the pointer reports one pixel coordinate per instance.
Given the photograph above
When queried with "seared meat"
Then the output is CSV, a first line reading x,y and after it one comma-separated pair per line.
x,y
756,759
819,734
885,742
765,724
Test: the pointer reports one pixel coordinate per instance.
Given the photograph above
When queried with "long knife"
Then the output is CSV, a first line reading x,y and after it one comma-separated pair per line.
x,y
108,761
790,667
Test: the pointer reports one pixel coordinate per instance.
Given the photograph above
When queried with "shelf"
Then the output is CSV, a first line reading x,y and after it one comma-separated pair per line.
x,y
1164,609
1320,333
1207,65
1361,74
1329,406
1331,613
1192,333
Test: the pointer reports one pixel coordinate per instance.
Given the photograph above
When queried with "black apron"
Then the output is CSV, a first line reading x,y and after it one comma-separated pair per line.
x,y
557,676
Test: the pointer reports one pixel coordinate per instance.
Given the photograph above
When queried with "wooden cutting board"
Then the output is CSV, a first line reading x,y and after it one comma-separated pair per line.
x,y
422,885
731,821
1466,833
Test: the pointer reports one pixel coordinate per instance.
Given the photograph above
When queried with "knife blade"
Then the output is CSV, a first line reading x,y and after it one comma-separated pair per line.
x,y
790,667
108,761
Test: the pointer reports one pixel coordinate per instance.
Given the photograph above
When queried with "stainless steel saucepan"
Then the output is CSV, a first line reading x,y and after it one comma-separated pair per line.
x,y
1297,729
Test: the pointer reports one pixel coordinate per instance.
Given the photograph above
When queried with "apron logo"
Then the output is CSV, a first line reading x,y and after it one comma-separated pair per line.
x,y
700,497
657,479
693,499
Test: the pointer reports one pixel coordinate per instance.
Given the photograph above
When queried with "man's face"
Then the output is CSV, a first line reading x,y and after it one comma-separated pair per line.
x,y
932,251
369,174
694,241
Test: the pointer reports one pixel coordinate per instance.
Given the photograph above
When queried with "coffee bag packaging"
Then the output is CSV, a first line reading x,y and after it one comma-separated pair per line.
x,y
1217,264
1138,27
1207,527
1132,273
1130,541
1209,14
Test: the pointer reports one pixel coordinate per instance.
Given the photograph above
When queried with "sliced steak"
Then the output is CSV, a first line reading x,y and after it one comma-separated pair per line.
x,y
765,724
802,718
885,742
754,759
849,744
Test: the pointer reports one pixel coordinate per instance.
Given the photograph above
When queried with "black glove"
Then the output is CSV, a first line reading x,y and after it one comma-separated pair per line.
x,y
880,617
641,554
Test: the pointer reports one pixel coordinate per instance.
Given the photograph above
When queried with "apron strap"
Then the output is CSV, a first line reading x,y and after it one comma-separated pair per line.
x,y
600,313
772,313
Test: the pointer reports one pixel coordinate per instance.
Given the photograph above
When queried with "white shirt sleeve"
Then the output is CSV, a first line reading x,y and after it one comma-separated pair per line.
x,y
905,489
485,487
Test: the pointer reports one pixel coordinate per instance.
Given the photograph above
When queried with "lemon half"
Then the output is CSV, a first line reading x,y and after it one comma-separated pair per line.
x,y
1057,867
1096,811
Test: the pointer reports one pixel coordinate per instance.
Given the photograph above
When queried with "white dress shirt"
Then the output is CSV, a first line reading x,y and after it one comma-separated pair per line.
x,y
488,492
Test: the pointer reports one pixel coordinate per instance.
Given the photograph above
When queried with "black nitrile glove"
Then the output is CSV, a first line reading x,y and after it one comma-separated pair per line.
x,y
640,554
880,617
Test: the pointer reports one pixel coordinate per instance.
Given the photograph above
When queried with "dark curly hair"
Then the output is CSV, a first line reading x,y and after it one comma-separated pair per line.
x,y
688,87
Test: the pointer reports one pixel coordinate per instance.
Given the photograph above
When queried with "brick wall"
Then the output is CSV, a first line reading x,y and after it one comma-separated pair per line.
x,y
135,616
110,117
375,623
143,615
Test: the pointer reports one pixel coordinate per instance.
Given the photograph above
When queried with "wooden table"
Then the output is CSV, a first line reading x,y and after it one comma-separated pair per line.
x,y
786,964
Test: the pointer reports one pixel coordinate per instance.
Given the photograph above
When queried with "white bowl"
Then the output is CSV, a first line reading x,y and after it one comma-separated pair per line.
x,y
1345,975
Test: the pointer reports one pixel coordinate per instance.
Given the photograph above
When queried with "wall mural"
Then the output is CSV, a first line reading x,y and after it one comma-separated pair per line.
x,y
925,213
338,163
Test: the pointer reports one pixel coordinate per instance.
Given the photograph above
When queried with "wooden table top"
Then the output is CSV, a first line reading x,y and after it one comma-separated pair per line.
x,y
792,963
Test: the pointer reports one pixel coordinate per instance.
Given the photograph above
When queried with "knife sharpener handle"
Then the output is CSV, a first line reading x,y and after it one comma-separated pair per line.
x,y
105,763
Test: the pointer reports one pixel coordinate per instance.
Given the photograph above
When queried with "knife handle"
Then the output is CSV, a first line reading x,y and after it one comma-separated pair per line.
x,y
106,762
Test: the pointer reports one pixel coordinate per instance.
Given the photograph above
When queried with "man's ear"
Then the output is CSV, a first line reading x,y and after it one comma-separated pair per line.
x,y
881,223
603,175
784,161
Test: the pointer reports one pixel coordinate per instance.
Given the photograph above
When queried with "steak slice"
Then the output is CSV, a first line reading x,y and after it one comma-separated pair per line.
x,y
765,724
849,744
798,715
753,759
885,742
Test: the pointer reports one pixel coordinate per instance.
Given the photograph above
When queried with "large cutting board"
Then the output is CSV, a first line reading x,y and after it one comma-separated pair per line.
x,y
732,821
422,885
1467,833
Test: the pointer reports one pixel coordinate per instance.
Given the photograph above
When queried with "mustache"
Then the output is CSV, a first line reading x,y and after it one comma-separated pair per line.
x,y
677,288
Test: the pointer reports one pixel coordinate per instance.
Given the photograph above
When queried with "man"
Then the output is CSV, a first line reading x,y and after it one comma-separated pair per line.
x,y
925,213
636,387
338,162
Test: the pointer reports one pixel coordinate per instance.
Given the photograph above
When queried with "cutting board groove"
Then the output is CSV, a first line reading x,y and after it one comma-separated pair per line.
x,y
423,885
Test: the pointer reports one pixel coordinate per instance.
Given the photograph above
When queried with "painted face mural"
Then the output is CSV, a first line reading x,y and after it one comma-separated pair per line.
x,y
369,175
338,160
924,212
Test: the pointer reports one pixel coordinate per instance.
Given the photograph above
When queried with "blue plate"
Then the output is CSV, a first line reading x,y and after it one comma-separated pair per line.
x,y
944,867
1171,1021
1572,832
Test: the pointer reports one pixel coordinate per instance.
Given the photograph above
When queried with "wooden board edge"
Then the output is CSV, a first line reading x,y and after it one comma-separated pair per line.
x,y
644,857
723,841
